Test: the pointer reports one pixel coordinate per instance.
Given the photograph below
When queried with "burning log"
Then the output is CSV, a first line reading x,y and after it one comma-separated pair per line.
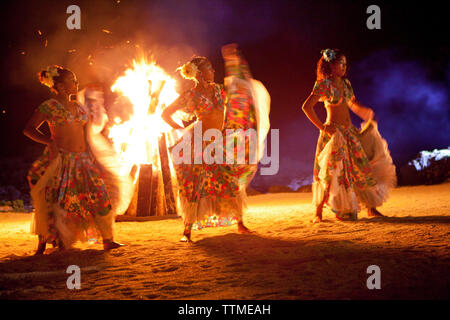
x,y
144,192
153,194
139,140
145,202
166,176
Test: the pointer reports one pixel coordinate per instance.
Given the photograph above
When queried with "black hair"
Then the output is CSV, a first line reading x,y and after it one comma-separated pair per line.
x,y
324,67
45,76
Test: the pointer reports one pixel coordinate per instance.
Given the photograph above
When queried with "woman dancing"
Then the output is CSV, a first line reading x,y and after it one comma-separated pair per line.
x,y
70,198
213,195
344,176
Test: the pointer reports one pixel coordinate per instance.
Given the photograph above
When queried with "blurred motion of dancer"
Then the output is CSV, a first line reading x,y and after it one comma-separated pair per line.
x,y
213,194
70,197
351,166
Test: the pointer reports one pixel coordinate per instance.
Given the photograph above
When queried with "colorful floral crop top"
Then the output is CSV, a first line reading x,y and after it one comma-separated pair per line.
x,y
328,92
57,114
195,103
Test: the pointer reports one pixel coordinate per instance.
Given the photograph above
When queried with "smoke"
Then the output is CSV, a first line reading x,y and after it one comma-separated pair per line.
x,y
111,36
297,145
115,32
412,109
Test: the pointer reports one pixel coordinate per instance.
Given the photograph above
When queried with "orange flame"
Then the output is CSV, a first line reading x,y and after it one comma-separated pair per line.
x,y
136,140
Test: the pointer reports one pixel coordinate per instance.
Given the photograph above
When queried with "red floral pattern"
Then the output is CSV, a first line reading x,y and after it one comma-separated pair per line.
x,y
329,93
78,188
57,114
219,183
356,173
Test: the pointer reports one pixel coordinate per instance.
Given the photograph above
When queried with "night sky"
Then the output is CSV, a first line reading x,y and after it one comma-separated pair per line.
x,y
401,71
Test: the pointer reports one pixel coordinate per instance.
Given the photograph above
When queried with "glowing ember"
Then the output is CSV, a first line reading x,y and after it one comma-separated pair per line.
x,y
136,140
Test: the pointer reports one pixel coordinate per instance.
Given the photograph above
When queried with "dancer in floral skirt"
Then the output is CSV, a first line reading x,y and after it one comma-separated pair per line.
x,y
70,198
212,193
347,173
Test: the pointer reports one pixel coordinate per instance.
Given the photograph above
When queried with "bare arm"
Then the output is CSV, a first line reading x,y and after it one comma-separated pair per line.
x,y
360,110
32,128
308,109
167,113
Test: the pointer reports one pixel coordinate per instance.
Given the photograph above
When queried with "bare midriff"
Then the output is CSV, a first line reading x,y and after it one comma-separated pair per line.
x,y
69,136
212,120
338,113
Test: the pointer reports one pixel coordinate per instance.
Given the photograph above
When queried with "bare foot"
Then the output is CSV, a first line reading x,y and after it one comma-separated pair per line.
x,y
109,244
41,248
348,216
373,212
186,237
317,218
243,229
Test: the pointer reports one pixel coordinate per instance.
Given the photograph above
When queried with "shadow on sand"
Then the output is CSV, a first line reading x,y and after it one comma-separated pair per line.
x,y
50,265
408,220
24,277
328,269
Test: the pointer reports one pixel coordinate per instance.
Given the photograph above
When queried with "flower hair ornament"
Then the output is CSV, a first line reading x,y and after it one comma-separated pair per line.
x,y
328,54
51,72
189,70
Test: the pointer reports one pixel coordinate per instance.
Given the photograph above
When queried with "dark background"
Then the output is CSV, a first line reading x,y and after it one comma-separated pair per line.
x,y
401,71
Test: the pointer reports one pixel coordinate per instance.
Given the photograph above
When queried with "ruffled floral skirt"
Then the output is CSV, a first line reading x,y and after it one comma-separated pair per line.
x,y
241,115
348,173
209,195
213,195
70,199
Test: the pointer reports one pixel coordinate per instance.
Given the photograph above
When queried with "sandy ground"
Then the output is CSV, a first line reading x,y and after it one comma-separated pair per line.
x,y
286,258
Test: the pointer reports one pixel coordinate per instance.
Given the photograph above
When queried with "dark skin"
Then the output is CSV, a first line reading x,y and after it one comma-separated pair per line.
x,y
70,137
205,87
213,120
65,136
337,113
